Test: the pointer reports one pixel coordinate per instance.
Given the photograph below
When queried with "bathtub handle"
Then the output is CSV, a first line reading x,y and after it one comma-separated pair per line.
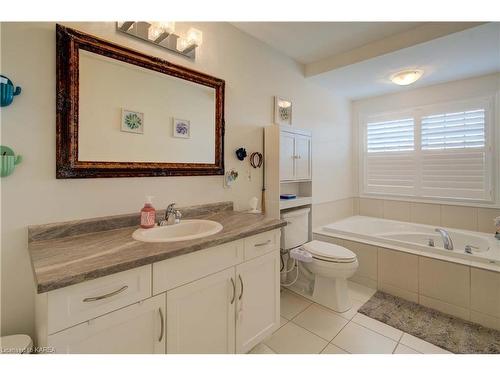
x,y
468,248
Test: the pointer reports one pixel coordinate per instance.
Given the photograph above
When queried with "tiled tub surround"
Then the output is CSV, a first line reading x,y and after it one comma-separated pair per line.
x,y
472,218
467,289
104,292
64,254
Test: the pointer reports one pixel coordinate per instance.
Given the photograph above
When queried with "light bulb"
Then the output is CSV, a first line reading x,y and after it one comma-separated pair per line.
x,y
168,27
406,77
182,44
158,28
154,32
194,37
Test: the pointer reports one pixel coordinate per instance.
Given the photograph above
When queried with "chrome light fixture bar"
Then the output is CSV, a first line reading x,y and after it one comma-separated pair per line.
x,y
163,34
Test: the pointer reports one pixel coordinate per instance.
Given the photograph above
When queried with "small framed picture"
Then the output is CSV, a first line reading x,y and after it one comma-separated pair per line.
x,y
132,122
282,111
181,128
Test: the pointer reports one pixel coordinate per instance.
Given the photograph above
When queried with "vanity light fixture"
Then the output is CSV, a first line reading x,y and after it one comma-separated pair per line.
x,y
163,34
407,77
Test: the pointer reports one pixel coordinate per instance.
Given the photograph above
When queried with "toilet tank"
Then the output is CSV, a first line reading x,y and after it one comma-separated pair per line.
x,y
296,231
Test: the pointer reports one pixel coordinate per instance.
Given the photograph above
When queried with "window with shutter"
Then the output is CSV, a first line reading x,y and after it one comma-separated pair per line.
x,y
435,152
389,161
454,160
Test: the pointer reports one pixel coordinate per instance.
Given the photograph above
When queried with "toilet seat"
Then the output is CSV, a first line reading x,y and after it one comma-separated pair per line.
x,y
328,252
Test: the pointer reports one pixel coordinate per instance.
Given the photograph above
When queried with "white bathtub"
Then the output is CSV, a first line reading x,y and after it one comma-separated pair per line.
x,y
414,238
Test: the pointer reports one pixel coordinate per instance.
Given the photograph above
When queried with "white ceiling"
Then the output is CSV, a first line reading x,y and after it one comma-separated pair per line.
x,y
308,42
469,53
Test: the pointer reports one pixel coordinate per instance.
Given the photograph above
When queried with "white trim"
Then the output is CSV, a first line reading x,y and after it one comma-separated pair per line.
x,y
417,112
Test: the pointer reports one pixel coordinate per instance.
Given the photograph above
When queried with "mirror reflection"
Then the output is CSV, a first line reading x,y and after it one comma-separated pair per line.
x,y
131,114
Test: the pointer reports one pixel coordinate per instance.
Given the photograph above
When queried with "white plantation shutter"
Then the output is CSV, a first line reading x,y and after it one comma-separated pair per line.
x,y
389,161
454,160
443,154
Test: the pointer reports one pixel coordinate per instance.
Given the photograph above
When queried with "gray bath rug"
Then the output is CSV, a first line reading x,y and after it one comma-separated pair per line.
x,y
447,332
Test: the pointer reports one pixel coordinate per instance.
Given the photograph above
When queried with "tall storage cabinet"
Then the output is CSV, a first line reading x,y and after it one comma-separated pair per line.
x,y
288,168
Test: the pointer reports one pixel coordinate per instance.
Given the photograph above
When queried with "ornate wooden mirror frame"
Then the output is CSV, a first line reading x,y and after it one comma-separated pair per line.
x,y
69,42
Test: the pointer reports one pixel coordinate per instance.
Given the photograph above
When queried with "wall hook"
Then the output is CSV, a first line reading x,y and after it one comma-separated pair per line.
x,y
8,161
7,91
241,153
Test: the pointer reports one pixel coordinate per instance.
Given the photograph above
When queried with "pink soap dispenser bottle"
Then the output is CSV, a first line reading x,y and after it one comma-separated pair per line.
x,y
148,214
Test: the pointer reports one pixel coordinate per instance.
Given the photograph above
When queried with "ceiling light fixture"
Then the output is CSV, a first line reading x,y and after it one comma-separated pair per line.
x,y
407,77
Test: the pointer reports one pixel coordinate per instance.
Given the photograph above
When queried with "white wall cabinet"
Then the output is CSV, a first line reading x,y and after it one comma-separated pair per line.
x,y
295,155
225,300
138,328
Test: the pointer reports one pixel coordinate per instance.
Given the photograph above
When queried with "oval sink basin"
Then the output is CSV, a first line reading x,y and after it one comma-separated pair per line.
x,y
185,230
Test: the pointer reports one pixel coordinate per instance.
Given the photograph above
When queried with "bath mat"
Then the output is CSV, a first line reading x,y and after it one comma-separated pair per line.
x,y
448,332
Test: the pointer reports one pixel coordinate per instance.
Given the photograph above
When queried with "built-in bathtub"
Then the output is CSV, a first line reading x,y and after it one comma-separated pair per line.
x,y
484,248
395,257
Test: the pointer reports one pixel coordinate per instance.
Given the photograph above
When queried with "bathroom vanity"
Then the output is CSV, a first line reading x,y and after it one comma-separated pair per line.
x,y
101,291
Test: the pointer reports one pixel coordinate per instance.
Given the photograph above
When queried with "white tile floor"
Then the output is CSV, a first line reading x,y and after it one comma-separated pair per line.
x,y
308,328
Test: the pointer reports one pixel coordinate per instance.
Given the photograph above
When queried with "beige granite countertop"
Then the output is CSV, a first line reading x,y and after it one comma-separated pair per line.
x,y
63,261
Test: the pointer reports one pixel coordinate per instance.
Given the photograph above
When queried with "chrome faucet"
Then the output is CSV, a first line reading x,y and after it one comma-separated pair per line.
x,y
169,212
447,242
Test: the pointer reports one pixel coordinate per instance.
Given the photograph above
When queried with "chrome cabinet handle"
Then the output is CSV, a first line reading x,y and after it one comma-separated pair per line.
x,y
241,282
162,325
234,291
92,299
263,243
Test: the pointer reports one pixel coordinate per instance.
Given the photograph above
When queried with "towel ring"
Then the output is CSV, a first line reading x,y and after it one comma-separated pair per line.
x,y
256,159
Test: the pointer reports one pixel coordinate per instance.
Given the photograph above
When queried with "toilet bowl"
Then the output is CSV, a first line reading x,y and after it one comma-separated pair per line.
x,y
331,266
326,274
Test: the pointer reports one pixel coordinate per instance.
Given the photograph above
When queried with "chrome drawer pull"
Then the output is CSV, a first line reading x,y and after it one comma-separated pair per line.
x,y
162,326
234,291
263,243
92,299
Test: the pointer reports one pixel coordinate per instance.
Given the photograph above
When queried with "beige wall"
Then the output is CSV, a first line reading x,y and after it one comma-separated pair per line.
x,y
253,72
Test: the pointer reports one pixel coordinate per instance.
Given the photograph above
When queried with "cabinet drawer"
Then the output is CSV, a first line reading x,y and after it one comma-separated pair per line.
x,y
81,302
171,273
261,244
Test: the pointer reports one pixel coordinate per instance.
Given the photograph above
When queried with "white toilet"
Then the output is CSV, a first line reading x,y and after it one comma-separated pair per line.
x,y
16,344
330,267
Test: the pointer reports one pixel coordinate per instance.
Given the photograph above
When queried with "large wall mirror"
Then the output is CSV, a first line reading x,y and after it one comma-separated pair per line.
x,y
121,113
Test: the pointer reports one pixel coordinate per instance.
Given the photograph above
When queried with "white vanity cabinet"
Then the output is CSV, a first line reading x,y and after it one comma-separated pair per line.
x,y
223,299
201,316
257,301
138,328
295,155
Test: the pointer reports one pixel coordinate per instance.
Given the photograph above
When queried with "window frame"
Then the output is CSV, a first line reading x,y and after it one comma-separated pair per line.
x,y
417,112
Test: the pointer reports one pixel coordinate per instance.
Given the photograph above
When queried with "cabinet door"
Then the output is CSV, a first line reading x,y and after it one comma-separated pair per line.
x,y
302,157
287,155
258,300
201,315
138,328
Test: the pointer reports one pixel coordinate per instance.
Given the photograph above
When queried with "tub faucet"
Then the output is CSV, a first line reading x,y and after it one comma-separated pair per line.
x,y
447,242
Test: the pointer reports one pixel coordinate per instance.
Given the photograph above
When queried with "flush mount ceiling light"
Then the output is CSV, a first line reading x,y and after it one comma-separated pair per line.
x,y
163,34
406,77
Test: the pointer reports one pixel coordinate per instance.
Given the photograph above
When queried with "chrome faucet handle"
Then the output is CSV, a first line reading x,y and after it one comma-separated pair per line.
x,y
178,216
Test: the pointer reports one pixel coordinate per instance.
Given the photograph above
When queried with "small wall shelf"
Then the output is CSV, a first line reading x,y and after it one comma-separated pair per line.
x,y
290,203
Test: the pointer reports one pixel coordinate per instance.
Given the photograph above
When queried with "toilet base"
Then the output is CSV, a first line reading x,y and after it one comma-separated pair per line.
x,y
332,293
